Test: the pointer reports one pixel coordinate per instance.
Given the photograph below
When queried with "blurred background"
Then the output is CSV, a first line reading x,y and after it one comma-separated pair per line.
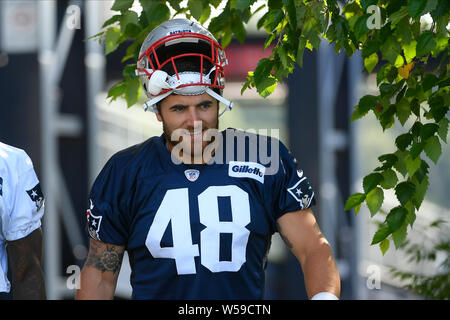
x,y
53,89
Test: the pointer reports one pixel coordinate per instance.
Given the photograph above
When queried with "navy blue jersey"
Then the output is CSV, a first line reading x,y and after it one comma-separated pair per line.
x,y
195,231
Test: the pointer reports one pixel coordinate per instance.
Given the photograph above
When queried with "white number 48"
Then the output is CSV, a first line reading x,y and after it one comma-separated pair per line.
x,y
175,209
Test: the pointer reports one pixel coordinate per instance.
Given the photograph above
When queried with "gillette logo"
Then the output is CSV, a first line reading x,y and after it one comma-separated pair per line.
x,y
253,170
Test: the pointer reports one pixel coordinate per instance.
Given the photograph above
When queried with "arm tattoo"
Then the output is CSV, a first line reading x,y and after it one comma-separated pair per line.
x,y
25,259
105,257
285,239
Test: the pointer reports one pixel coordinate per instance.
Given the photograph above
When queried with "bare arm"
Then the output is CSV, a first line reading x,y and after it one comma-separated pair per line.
x,y
100,272
302,235
25,261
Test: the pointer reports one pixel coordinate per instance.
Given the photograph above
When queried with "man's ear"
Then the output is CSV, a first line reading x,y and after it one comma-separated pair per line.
x,y
158,116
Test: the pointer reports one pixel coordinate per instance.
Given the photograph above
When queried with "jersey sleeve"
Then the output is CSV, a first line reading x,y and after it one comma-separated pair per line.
x,y
26,202
106,215
292,189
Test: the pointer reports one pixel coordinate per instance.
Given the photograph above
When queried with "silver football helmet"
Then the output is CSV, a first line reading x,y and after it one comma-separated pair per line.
x,y
170,53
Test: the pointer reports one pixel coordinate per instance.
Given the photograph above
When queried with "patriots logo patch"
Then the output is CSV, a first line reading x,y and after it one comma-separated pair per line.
x,y
93,222
36,196
302,192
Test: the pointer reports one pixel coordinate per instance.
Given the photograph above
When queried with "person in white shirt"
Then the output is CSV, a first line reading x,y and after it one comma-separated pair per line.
x,y
21,210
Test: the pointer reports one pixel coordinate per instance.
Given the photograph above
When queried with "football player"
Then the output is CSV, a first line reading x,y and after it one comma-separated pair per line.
x,y
21,210
198,228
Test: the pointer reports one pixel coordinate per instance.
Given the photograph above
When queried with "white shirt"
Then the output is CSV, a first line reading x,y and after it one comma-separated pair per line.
x,y
21,202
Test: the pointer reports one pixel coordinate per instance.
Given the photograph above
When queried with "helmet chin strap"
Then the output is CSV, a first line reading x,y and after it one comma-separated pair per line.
x,y
228,104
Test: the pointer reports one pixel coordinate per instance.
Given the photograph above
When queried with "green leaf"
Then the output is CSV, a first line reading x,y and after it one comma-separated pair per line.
x,y
354,200
282,53
403,141
384,246
443,129
226,38
371,181
300,51
367,102
360,27
382,233
395,218
122,5
129,72
433,148
371,62
390,179
275,4
239,30
129,24
412,165
398,15
390,159
429,81
291,13
400,163
399,236
415,7
117,90
415,107
425,44
265,82
387,118
404,191
215,3
370,47
366,3
357,114
422,172
374,200
272,20
269,40
155,11
438,107
428,130
196,8
421,190
387,90
403,111
416,128
205,14
410,51
111,38
266,86
390,49
132,92
300,11
112,20
244,4
416,149
411,216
